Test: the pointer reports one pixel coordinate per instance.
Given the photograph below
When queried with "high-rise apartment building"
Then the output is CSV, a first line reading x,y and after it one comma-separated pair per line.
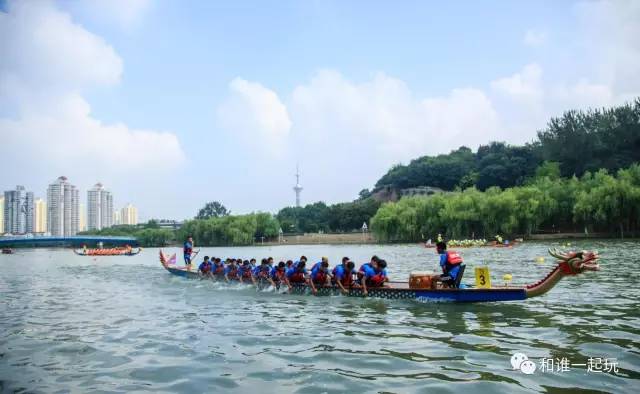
x,y
63,214
129,215
117,219
40,216
17,212
29,213
1,214
100,208
82,224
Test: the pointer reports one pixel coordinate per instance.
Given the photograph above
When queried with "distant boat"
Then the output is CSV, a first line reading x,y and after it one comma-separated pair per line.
x,y
569,264
108,252
7,251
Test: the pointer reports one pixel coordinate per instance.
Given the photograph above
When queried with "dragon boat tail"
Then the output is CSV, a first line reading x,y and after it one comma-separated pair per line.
x,y
569,264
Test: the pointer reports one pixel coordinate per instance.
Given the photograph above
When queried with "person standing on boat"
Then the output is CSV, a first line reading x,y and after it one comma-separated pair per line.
x,y
450,263
187,250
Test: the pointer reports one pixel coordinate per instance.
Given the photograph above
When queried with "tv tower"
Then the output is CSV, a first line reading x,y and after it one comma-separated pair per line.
x,y
297,188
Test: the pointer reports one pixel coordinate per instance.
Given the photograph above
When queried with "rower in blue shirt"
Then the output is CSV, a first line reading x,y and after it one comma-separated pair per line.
x,y
231,271
204,270
319,274
261,272
244,271
297,274
375,275
343,276
278,275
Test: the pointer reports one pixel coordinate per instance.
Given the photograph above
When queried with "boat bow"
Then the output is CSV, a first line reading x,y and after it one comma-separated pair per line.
x,y
569,264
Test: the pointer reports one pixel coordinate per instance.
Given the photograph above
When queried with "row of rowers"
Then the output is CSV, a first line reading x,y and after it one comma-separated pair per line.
x,y
344,275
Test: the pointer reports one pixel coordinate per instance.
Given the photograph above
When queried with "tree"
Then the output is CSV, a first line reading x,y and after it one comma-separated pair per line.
x,y
213,209
364,193
504,166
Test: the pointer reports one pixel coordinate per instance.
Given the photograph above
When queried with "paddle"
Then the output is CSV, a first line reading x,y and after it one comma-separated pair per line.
x,y
195,255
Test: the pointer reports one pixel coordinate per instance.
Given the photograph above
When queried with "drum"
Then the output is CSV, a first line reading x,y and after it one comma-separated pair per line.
x,y
421,280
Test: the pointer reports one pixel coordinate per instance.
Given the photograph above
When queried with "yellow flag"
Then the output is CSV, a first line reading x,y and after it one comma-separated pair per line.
x,y
483,278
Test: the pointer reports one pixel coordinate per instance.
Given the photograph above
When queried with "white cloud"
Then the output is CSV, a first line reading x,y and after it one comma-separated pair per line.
x,y
46,125
256,114
384,114
525,85
611,41
535,38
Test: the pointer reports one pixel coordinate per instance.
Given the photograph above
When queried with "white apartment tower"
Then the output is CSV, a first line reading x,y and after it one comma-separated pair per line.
x,y
99,208
63,201
17,213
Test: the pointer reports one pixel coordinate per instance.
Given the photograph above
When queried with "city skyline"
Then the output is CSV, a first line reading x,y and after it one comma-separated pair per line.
x,y
28,213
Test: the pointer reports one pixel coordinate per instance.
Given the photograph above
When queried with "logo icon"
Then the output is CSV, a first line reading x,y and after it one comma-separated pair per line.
x,y
521,361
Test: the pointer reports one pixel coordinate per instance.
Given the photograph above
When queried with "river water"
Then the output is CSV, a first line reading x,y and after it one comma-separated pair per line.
x,y
123,324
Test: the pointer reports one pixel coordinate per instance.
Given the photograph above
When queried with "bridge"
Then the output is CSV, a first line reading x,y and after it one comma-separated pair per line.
x,y
75,241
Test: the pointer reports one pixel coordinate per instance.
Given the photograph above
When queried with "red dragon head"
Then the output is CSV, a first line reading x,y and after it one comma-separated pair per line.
x,y
573,263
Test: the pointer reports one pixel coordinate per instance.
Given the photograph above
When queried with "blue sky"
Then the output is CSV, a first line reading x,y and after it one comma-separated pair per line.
x,y
172,104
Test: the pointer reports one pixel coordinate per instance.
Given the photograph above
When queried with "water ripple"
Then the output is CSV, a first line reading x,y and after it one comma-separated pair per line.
x,y
68,323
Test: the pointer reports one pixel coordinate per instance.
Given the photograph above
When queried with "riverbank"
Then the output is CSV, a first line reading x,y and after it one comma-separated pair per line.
x,y
335,239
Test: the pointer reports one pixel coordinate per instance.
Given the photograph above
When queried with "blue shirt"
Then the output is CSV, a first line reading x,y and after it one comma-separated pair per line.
x,y
341,272
228,269
292,271
369,272
274,273
205,266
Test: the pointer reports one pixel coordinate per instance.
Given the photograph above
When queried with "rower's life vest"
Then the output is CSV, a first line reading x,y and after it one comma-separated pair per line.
x,y
297,277
453,259
219,269
233,273
321,277
188,248
246,273
376,280
279,275
263,273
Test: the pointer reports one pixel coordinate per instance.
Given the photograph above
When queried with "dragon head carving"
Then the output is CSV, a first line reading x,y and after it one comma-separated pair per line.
x,y
573,263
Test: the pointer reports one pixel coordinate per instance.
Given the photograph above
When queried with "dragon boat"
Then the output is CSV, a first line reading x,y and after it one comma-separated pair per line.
x,y
569,264
108,252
